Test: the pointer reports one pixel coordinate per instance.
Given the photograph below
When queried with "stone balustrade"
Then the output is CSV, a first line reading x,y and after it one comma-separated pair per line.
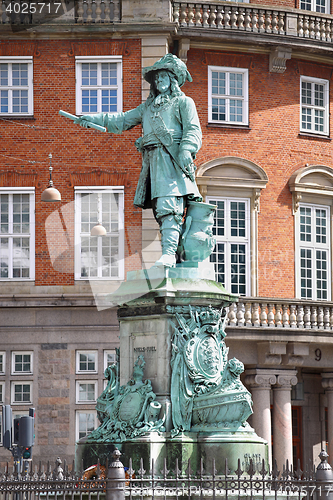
x,y
224,15
273,313
97,11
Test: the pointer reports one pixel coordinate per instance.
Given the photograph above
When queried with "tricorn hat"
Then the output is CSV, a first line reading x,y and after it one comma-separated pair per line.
x,y
171,63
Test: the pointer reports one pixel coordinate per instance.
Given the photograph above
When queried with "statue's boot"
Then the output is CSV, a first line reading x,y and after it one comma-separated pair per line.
x,y
169,240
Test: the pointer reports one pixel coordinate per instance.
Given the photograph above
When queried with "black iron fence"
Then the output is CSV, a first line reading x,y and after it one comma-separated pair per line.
x,y
114,482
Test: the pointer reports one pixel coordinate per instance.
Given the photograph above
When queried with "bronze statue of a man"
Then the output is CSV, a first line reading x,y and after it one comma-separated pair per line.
x,y
171,138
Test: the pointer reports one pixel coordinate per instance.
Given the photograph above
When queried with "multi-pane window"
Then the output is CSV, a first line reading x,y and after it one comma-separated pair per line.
x,y
228,95
86,361
99,257
314,105
231,253
98,85
2,362
110,358
16,95
321,6
16,235
21,362
86,422
2,392
314,252
22,392
85,391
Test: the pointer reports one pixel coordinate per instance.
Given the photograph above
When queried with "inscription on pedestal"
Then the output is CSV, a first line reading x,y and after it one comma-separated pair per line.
x,y
147,345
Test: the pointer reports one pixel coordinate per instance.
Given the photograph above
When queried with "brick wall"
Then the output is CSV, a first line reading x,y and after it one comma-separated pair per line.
x,y
272,141
74,149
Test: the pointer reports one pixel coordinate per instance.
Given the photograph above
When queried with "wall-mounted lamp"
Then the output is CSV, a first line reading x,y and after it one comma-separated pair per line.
x,y
98,229
51,193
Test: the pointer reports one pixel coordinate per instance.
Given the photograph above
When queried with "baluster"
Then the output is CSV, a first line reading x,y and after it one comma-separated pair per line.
x,y
233,18
300,21
212,17
312,27
80,12
261,21
232,315
248,19
190,14
307,317
198,16
17,18
268,21
320,318
255,314
323,29
300,316
176,9
247,314
219,16
89,11
270,315
107,12
327,318
314,317
274,21
98,11
2,10
205,16
285,316
241,19
281,23
331,319
5,18
317,28
328,30
331,31
278,316
183,15
263,314
306,27
26,18
116,11
292,318
226,17
255,20
240,314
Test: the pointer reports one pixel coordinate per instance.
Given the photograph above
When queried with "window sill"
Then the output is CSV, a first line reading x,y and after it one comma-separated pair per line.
x,y
314,136
227,125
17,117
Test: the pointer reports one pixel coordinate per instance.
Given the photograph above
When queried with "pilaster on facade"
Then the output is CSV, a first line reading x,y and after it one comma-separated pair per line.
x,y
153,47
327,383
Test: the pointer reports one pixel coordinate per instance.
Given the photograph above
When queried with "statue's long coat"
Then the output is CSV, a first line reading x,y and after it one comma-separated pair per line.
x,y
160,175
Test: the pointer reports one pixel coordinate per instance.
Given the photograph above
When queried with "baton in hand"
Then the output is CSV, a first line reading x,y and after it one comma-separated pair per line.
x,y
90,124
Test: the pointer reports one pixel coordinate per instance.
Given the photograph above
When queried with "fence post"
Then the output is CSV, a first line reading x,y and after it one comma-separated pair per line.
x,y
324,479
115,484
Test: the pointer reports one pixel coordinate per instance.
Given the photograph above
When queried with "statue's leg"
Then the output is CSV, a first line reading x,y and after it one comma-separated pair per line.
x,y
168,212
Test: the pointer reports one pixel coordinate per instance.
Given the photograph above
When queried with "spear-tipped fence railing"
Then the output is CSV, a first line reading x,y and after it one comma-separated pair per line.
x,y
253,480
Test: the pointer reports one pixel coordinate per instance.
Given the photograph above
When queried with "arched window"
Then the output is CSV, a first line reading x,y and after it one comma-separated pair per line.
x,y
234,186
312,189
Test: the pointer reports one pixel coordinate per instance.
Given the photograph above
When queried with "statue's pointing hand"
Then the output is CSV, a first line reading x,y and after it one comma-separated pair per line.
x,y
85,120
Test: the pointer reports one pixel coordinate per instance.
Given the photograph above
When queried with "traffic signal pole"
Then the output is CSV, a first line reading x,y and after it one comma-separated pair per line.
x,y
18,437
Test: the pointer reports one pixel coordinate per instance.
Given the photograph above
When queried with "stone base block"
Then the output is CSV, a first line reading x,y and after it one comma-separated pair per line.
x,y
187,446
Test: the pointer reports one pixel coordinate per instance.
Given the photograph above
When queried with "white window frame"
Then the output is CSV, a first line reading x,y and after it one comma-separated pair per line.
x,y
228,240
11,235
106,353
299,245
85,352
21,382
77,421
227,96
314,7
313,107
14,353
15,60
85,401
2,400
79,60
3,371
97,189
